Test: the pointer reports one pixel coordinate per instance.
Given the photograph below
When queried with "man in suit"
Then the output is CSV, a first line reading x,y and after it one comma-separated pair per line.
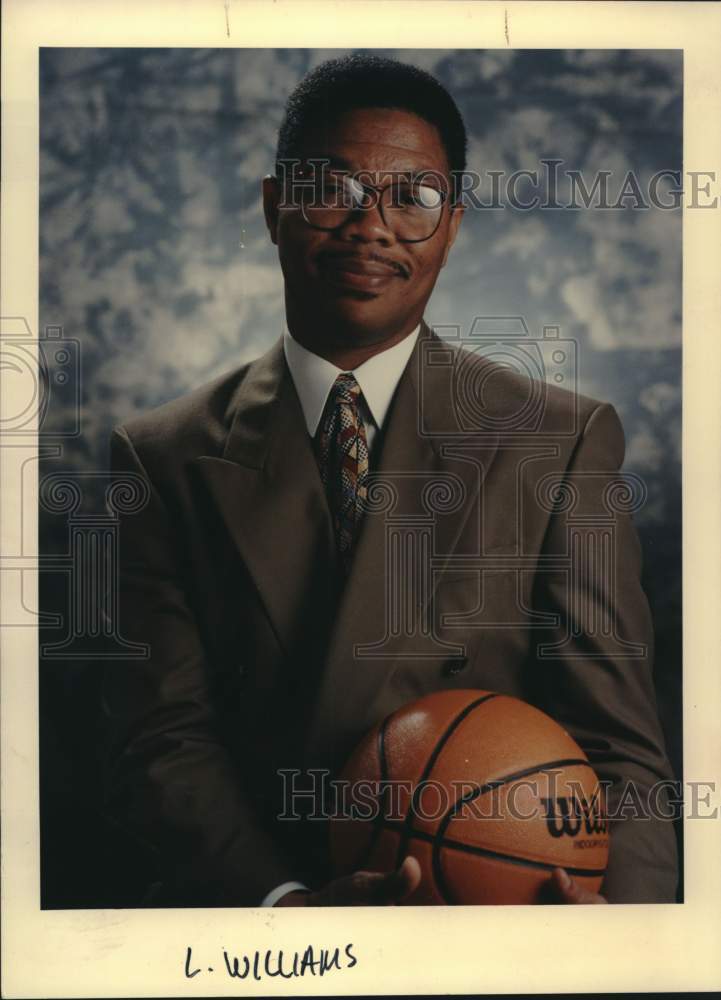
x,y
259,573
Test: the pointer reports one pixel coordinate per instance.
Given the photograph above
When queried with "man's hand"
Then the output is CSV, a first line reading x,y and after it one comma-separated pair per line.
x,y
376,889
362,889
564,889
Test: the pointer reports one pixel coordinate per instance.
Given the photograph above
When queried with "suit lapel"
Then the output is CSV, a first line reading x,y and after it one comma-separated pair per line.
x,y
268,490
418,474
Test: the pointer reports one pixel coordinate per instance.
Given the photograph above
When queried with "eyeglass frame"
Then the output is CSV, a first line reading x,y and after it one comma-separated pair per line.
x,y
378,203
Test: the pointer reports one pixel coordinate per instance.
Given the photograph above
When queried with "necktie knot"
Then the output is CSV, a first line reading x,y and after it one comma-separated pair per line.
x,y
346,390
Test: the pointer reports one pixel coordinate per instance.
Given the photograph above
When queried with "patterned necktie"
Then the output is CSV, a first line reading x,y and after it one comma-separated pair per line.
x,y
343,461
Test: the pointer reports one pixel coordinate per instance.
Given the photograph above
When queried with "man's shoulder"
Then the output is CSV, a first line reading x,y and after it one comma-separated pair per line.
x,y
195,423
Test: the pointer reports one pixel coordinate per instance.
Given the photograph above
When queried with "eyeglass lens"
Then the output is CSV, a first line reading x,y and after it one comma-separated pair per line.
x,y
411,210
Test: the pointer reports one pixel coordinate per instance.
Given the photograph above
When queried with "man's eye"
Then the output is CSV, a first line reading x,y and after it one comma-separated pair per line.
x,y
322,192
337,189
419,196
428,197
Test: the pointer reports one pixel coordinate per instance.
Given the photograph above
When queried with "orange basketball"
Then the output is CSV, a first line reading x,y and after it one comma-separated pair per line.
x,y
487,792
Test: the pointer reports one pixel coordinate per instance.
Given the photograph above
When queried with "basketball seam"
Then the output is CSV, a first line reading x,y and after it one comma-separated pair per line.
x,y
390,827
457,845
430,763
380,818
439,837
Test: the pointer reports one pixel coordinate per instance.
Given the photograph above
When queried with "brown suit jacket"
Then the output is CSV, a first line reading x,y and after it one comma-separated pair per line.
x,y
261,661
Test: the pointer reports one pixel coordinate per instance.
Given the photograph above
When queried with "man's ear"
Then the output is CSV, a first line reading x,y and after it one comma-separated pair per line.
x,y
455,221
271,197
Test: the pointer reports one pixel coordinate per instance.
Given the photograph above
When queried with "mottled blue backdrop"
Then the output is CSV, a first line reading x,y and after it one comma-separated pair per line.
x,y
154,253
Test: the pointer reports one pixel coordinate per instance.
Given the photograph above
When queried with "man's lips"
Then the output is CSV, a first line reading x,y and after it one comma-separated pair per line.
x,y
360,271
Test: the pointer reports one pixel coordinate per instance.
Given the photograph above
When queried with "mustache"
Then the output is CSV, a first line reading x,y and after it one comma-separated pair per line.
x,y
373,255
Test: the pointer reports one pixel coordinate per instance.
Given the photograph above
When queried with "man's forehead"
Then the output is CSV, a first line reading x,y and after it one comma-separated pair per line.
x,y
357,138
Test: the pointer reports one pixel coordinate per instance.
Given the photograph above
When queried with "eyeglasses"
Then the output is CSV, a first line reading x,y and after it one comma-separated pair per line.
x,y
411,210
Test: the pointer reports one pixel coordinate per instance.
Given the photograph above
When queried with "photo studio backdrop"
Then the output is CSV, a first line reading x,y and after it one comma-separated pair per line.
x,y
157,274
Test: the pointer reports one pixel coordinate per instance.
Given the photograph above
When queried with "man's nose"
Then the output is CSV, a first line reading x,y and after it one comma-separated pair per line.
x,y
366,225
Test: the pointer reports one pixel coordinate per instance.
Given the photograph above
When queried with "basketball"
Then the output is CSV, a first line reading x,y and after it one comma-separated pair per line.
x,y
488,793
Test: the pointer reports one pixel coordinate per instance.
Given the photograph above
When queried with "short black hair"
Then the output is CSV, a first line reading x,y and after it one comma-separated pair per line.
x,y
369,81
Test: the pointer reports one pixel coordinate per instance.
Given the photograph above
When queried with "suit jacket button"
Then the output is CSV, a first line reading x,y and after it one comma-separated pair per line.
x,y
453,667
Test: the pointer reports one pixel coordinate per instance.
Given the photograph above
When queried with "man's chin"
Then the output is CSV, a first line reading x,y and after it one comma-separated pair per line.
x,y
333,295
364,321
340,316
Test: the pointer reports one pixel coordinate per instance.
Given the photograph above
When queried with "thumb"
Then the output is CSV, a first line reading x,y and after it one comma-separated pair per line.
x,y
569,891
399,884
410,875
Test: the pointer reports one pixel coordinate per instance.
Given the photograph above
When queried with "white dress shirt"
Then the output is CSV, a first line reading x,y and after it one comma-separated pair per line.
x,y
313,378
377,377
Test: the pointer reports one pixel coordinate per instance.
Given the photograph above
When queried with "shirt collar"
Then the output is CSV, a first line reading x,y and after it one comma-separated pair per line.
x,y
377,377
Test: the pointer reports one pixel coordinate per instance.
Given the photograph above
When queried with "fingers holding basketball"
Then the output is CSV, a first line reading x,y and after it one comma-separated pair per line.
x,y
369,888
408,878
565,889
378,889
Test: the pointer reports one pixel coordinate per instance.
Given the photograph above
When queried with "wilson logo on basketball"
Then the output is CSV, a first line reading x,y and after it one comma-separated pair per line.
x,y
567,815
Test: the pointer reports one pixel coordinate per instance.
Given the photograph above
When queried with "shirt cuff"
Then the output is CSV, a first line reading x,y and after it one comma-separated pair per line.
x,y
275,894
